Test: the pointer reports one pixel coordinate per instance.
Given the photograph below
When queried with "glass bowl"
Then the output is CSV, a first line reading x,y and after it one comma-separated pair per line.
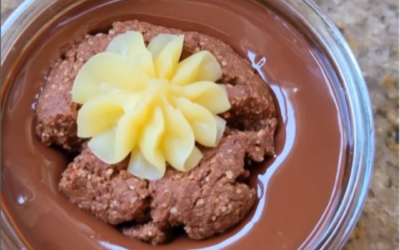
x,y
17,34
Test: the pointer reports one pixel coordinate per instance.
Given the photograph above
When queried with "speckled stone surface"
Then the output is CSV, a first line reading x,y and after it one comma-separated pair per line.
x,y
371,27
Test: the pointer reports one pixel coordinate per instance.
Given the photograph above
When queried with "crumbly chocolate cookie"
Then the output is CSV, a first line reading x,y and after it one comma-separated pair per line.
x,y
205,201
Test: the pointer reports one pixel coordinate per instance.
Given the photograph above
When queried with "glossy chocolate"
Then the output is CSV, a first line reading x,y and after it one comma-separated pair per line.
x,y
297,188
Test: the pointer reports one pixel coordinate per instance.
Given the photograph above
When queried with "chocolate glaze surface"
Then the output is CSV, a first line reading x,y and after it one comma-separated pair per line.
x,y
296,188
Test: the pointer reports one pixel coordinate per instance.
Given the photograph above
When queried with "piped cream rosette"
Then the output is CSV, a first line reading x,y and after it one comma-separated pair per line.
x,y
144,102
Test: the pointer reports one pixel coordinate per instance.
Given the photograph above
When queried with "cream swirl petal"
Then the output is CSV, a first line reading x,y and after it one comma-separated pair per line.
x,y
131,45
107,72
209,95
166,50
201,66
144,103
201,121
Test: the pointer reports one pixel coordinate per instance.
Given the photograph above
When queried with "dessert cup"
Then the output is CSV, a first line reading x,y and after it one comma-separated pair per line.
x,y
20,29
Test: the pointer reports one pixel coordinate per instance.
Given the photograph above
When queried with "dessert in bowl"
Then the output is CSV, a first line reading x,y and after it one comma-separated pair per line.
x,y
246,130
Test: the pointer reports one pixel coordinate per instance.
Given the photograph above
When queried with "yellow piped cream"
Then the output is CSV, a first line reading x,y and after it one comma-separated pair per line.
x,y
141,101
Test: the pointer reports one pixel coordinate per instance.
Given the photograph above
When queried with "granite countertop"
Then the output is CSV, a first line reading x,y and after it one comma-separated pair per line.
x,y
372,29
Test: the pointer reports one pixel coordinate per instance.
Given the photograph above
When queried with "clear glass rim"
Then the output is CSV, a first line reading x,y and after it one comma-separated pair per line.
x,y
360,108
350,207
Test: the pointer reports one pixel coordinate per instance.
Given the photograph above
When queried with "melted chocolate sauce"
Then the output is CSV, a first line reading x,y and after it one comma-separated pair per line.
x,y
297,188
